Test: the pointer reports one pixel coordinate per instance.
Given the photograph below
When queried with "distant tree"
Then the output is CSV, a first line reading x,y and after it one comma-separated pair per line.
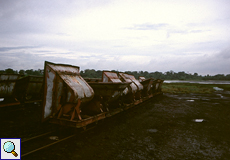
x,y
227,77
182,75
29,72
90,73
9,71
219,77
22,72
41,71
195,74
98,74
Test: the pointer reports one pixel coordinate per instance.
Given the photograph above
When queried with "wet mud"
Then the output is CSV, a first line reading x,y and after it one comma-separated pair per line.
x,y
164,127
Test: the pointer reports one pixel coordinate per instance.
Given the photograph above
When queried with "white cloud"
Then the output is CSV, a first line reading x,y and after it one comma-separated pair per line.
x,y
121,34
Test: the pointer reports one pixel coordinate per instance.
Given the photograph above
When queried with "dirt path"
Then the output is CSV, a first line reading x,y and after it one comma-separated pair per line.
x,y
161,128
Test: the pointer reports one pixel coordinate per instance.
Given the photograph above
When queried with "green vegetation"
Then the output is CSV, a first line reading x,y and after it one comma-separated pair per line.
x,y
192,87
170,75
91,73
38,72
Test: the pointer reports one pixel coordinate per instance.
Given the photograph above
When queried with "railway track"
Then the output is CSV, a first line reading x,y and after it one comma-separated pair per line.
x,y
42,141
20,107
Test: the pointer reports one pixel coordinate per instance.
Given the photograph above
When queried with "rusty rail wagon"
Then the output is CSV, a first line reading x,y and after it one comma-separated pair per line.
x,y
28,89
70,100
7,89
135,88
147,84
107,94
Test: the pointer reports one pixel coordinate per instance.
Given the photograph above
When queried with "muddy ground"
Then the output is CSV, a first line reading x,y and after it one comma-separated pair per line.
x,y
164,127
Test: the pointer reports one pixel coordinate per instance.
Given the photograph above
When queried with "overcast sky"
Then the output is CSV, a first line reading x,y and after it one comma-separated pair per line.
x,y
149,35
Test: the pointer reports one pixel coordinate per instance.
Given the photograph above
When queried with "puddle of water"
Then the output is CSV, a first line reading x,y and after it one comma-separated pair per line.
x,y
218,89
220,95
55,138
199,82
198,120
1,99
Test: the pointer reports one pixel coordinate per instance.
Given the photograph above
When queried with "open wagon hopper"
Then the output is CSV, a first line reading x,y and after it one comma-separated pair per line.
x,y
135,87
159,83
7,89
147,85
66,93
108,92
69,100
28,89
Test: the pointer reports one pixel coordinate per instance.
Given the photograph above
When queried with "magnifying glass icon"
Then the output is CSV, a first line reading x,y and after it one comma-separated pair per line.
x,y
9,147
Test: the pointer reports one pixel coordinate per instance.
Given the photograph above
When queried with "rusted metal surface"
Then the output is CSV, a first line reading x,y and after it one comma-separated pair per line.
x,y
108,93
156,85
160,82
147,84
133,88
94,119
65,92
29,88
92,79
7,84
7,89
108,76
141,79
73,101
135,81
108,89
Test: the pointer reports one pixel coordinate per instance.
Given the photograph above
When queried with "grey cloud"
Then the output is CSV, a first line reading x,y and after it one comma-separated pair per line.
x,y
148,26
179,31
21,60
31,16
225,54
3,49
12,8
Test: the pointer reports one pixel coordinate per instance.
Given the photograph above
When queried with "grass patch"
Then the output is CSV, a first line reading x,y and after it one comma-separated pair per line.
x,y
192,87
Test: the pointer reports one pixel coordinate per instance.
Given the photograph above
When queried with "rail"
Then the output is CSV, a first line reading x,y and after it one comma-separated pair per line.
x,y
43,140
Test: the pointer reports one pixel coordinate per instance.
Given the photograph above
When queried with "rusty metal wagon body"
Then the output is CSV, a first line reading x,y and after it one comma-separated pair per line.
x,y
70,100
135,87
7,89
65,93
157,83
29,89
147,85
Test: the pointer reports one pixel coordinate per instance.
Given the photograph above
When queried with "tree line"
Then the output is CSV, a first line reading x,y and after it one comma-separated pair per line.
x,y
22,72
91,73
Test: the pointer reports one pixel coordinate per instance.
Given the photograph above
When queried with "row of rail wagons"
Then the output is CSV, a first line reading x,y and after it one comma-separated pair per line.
x,y
15,90
73,101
